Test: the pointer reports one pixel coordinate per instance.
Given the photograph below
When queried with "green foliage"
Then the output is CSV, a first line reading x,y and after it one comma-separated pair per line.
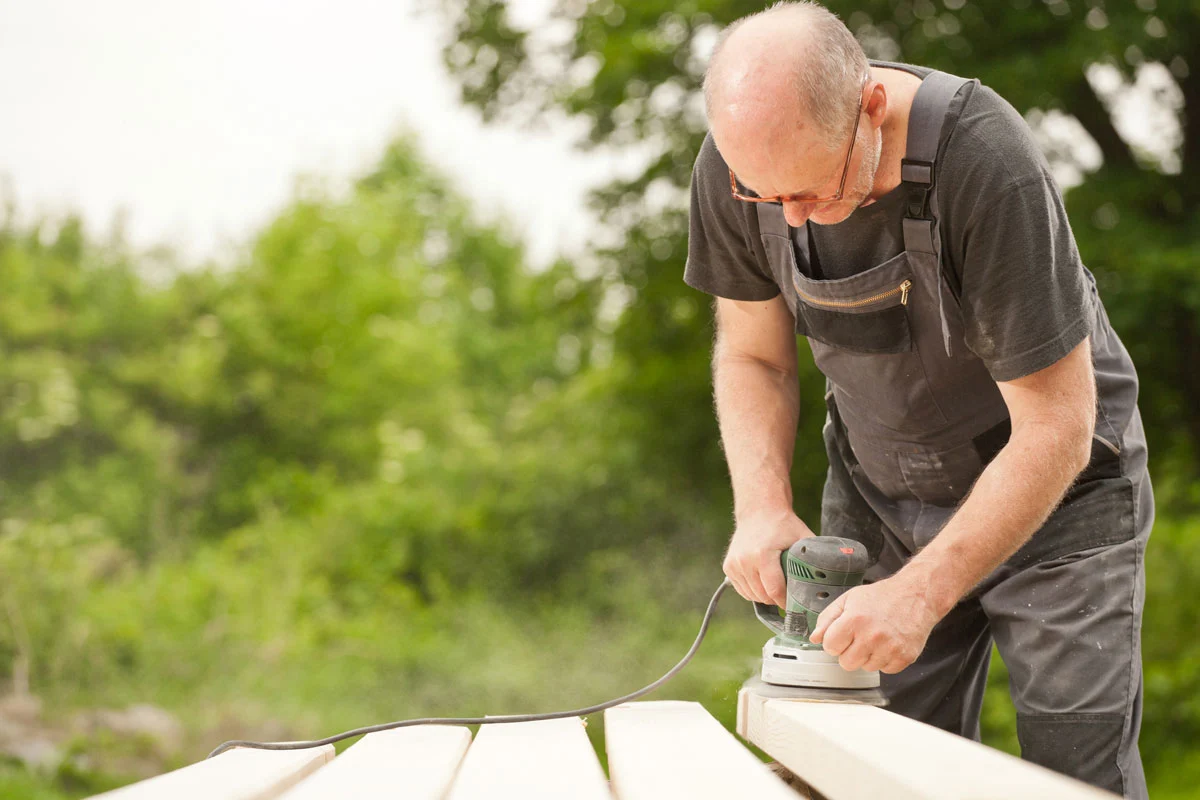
x,y
378,445
379,412
18,783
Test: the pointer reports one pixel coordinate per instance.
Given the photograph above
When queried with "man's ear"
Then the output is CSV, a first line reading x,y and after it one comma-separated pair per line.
x,y
877,102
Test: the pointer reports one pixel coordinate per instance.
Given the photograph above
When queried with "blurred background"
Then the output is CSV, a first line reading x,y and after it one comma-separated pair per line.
x,y
347,373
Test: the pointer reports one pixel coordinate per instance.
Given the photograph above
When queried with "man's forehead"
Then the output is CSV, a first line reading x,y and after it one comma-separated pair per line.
x,y
777,163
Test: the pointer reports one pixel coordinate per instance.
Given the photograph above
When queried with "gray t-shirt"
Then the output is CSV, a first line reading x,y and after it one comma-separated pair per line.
x,y
1026,298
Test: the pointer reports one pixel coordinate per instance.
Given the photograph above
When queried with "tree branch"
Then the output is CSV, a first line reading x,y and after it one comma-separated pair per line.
x,y
1187,339
1190,157
1082,101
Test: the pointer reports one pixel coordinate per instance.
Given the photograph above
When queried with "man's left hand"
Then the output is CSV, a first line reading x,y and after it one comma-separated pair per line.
x,y
879,626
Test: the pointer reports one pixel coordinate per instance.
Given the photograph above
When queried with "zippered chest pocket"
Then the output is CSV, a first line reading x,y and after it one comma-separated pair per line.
x,y
865,313
877,323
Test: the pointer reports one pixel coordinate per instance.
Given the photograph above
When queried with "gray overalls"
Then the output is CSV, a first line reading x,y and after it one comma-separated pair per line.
x,y
914,417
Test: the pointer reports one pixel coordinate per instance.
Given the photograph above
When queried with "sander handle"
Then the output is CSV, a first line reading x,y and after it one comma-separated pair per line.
x,y
768,613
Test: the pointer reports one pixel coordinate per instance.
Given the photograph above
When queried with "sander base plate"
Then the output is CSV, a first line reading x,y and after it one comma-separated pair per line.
x,y
811,673
866,697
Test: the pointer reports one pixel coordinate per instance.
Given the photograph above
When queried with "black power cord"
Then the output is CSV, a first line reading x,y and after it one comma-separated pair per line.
x,y
578,712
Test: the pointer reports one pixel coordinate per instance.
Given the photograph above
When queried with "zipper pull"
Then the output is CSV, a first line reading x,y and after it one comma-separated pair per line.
x,y
904,287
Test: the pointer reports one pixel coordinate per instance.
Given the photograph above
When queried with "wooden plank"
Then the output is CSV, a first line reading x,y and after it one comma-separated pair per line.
x,y
416,763
544,760
677,749
237,774
848,751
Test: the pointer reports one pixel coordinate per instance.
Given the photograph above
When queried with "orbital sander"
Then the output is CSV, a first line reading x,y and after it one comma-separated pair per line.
x,y
818,570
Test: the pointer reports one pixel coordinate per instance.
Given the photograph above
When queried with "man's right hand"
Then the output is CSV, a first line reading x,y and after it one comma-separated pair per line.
x,y
752,561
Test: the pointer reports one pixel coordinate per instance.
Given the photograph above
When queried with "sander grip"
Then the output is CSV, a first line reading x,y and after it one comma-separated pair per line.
x,y
769,615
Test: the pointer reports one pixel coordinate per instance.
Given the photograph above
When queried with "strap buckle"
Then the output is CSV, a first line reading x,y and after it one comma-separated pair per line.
x,y
919,173
914,171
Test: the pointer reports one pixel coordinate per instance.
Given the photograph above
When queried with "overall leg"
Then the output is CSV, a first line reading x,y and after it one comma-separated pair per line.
x,y
1068,628
944,686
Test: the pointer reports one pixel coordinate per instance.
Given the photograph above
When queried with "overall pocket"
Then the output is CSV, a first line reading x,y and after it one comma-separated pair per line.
x,y
873,324
866,313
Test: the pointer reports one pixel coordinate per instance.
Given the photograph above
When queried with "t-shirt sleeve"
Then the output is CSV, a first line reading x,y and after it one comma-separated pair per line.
x,y
1026,301
722,259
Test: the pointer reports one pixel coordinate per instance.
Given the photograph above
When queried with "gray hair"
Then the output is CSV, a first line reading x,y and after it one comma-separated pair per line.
x,y
829,78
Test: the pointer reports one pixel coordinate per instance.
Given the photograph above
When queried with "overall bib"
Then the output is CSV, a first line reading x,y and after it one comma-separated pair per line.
x,y
913,419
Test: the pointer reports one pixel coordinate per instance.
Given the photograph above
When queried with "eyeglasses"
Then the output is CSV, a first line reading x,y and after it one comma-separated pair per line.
x,y
799,198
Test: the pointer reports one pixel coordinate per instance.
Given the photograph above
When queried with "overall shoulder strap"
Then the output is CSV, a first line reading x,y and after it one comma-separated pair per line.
x,y
926,120
925,123
770,219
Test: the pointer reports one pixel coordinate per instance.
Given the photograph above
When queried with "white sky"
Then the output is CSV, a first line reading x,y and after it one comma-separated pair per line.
x,y
195,118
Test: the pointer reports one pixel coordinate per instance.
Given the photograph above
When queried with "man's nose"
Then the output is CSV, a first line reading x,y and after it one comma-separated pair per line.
x,y
797,214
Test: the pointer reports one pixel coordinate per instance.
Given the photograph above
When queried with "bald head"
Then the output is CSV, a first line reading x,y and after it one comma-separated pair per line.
x,y
793,66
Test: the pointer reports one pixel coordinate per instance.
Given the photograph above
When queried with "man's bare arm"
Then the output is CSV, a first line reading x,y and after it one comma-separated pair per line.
x,y
1053,415
758,405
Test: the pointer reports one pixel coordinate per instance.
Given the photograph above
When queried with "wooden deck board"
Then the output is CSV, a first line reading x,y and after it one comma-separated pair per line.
x,y
237,774
677,749
543,760
417,763
849,751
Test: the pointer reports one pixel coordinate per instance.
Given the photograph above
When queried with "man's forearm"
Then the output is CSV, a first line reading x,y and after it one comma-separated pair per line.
x,y
757,408
1011,499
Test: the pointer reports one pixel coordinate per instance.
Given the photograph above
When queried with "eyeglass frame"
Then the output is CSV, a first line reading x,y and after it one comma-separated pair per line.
x,y
797,198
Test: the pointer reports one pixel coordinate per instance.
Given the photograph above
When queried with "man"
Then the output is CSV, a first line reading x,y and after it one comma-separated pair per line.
x,y
983,435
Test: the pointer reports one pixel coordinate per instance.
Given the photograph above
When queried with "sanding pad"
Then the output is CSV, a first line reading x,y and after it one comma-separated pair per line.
x,y
867,697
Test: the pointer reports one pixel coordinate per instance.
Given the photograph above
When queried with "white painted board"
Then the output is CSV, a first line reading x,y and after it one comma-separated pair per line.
x,y
848,751
237,774
416,763
677,749
543,760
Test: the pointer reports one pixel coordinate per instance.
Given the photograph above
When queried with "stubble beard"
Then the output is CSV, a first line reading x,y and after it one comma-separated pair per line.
x,y
866,174
864,182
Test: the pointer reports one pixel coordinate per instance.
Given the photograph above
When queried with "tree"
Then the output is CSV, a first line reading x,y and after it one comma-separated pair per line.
x,y
633,72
